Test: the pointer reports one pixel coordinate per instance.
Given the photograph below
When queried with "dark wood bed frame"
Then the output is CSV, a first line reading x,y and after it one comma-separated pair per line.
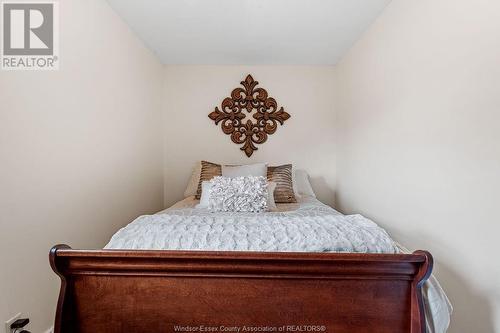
x,y
155,291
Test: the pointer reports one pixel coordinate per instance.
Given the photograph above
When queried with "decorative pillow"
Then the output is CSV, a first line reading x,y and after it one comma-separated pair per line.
x,y
240,194
206,187
282,176
271,205
301,181
259,169
208,171
192,186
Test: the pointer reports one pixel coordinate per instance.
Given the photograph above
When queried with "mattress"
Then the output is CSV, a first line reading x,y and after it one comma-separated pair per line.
x,y
305,226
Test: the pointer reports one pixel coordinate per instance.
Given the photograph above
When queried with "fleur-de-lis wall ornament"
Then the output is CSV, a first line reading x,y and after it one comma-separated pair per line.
x,y
242,103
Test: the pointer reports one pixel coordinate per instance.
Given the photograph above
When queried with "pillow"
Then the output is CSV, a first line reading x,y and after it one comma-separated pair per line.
x,y
271,187
294,184
207,186
282,176
259,169
192,186
208,171
239,194
301,181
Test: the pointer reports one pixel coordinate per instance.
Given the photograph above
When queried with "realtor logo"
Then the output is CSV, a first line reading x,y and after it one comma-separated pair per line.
x,y
29,36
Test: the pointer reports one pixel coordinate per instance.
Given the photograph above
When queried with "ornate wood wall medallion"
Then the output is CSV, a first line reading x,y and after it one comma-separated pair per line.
x,y
253,104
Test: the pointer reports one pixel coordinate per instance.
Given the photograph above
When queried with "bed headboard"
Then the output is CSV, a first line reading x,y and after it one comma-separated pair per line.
x,y
249,116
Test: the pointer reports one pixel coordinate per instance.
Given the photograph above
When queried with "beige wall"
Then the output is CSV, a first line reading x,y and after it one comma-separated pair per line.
x,y
419,142
80,152
306,139
415,136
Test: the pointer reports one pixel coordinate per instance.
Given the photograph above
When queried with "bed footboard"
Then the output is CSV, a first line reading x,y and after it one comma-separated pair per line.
x,y
188,291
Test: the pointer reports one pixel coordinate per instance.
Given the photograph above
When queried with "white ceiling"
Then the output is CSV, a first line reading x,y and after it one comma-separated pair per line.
x,y
250,32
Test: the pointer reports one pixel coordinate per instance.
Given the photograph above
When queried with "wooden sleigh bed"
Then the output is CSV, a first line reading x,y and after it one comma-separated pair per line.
x,y
168,291
212,291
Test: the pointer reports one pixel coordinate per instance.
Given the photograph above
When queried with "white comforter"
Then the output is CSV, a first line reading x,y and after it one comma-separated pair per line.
x,y
306,227
313,227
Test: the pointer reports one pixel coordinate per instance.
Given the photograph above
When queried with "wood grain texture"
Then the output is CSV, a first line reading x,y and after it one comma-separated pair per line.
x,y
248,99
152,291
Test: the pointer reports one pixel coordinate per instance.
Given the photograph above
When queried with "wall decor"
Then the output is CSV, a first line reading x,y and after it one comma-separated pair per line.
x,y
256,107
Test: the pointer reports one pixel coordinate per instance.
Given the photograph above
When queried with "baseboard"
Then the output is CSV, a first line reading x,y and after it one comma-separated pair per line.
x,y
50,330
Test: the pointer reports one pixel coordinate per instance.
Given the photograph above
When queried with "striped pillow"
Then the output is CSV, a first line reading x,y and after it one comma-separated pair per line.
x,y
208,171
282,176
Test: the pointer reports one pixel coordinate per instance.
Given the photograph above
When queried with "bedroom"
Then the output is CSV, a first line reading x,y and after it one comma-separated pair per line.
x,y
393,111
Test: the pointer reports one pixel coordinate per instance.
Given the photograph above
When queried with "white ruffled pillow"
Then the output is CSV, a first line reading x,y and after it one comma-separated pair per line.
x,y
207,186
238,194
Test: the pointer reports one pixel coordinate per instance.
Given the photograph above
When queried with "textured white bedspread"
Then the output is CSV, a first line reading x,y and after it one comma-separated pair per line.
x,y
313,227
309,226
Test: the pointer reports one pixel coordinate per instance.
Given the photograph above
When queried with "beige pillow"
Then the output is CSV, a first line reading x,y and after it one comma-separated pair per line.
x,y
271,204
302,184
192,186
256,170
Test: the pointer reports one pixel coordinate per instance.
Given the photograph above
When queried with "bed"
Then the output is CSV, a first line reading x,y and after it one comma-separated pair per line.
x,y
166,273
